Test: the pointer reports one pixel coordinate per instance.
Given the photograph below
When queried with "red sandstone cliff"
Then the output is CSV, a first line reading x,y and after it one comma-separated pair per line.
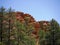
x,y
27,18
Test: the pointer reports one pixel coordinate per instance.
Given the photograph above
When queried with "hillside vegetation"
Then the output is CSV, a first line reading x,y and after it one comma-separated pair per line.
x,y
18,28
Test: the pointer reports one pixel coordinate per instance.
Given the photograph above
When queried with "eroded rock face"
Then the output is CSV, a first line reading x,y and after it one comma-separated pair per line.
x,y
24,17
27,18
36,26
19,16
44,25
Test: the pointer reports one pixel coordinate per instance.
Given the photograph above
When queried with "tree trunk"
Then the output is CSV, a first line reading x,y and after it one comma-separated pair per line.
x,y
37,41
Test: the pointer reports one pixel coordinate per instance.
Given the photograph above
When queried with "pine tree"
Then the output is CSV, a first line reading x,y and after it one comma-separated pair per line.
x,y
53,32
7,27
12,28
23,33
42,39
2,10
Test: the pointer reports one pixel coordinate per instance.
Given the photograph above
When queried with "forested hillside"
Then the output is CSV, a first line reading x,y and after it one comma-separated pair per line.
x,y
19,28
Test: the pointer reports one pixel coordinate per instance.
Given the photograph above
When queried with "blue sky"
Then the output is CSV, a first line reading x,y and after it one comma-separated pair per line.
x,y
39,9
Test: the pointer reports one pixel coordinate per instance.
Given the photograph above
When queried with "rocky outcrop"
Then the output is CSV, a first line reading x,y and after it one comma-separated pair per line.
x,y
44,25
27,18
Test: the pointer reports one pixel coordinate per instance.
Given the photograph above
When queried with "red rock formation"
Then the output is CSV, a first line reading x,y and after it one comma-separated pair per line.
x,y
19,16
29,17
31,21
44,25
36,26
22,17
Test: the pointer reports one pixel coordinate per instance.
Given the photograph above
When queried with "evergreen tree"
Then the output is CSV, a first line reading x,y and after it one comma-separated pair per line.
x,y
24,33
2,10
42,39
12,27
54,30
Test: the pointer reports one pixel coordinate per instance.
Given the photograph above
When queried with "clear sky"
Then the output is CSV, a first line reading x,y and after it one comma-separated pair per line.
x,y
39,9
